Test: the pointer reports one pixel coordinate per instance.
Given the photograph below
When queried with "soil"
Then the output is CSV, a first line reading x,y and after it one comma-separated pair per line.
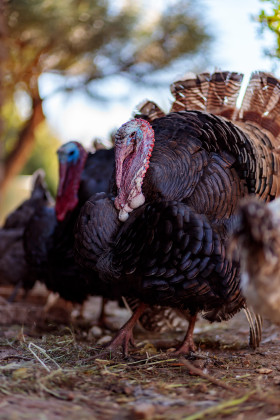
x,y
52,367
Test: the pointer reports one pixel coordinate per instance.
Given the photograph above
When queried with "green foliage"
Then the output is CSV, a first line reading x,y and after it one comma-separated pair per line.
x,y
85,41
92,40
13,124
271,20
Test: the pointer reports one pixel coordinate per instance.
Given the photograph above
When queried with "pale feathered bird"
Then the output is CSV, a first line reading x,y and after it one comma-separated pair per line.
x,y
257,241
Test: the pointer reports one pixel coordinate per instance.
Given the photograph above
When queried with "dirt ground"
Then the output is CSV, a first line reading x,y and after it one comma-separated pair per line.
x,y
52,367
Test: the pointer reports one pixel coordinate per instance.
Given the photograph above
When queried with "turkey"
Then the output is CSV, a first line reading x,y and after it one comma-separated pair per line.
x,y
49,242
256,239
13,266
185,273
81,174
49,236
184,173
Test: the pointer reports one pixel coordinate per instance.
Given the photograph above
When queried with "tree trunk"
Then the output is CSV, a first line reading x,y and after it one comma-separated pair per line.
x,y
14,162
26,138
2,58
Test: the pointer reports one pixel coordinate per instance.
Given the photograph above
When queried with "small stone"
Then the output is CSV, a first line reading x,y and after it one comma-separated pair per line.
x,y
201,388
143,411
200,364
67,395
104,340
95,332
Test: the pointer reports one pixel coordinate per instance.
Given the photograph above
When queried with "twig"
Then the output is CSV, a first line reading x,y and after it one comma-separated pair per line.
x,y
210,378
44,353
252,396
53,393
96,356
14,356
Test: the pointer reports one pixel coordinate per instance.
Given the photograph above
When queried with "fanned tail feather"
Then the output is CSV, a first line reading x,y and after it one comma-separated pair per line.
x,y
258,151
216,93
148,110
223,91
190,92
255,322
259,118
261,103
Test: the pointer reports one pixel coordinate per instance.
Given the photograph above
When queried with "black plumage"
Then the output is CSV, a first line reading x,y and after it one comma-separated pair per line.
x,y
49,242
186,261
13,266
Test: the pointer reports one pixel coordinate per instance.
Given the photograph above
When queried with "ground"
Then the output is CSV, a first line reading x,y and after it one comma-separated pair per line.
x,y
53,368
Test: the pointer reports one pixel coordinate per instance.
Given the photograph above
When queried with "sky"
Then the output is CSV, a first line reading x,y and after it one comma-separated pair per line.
x,y
238,47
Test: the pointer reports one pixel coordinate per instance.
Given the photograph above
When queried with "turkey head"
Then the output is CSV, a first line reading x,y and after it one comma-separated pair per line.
x,y
72,158
134,142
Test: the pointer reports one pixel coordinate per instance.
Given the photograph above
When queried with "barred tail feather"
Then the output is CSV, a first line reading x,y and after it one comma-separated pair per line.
x,y
261,103
255,322
190,92
216,93
224,88
148,110
157,318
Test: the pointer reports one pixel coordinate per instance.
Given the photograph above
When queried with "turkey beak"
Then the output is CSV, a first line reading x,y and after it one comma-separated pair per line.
x,y
62,178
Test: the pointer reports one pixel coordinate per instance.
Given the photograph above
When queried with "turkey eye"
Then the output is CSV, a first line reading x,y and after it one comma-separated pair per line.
x,y
71,153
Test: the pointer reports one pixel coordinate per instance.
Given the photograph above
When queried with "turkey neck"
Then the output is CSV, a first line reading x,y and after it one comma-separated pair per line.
x,y
70,179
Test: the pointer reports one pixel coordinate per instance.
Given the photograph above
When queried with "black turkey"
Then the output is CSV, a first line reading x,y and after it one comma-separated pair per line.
x,y
188,165
13,266
165,254
49,235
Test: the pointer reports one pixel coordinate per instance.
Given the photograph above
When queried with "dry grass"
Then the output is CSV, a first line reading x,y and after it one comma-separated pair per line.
x,y
56,372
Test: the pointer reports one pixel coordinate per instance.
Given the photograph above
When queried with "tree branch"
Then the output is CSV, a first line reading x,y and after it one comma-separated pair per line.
x,y
15,161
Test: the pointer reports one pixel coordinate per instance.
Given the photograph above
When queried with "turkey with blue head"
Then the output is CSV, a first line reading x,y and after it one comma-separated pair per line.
x,y
49,237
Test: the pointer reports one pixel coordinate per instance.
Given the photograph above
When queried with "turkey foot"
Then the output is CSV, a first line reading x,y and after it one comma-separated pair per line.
x,y
125,335
188,344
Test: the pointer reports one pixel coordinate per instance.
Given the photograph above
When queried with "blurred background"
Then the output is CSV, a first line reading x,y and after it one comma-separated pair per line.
x,y
77,69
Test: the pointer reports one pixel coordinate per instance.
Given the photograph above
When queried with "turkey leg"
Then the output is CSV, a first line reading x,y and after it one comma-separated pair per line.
x,y
188,343
125,335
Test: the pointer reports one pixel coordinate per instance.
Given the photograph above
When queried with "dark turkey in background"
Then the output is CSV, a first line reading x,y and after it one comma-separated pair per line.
x,y
256,240
49,236
14,269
